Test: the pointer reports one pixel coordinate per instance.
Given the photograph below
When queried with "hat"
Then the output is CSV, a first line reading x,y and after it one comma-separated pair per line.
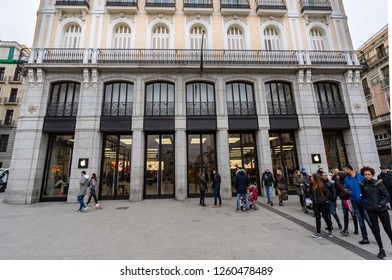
x,y
383,167
303,169
348,166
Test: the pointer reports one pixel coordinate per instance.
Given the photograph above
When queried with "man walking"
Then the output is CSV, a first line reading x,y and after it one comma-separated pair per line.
x,y
268,180
241,182
386,179
83,184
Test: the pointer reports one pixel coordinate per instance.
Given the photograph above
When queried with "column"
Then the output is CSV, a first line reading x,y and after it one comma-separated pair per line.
x,y
222,144
181,164
137,166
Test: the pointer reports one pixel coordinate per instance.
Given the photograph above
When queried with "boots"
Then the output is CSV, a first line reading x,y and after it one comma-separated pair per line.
x,y
382,254
303,208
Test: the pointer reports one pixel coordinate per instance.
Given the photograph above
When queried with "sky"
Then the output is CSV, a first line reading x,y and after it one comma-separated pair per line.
x,y
17,19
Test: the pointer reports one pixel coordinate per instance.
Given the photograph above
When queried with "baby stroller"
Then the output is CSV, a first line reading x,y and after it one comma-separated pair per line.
x,y
252,195
306,196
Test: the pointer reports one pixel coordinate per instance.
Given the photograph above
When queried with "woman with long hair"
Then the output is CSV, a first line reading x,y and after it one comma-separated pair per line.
x,y
93,188
319,196
377,197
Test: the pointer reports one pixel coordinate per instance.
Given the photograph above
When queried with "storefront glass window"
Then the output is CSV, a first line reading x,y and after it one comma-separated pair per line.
x,y
335,149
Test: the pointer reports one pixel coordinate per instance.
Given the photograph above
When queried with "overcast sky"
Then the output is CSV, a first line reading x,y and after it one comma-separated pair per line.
x,y
17,19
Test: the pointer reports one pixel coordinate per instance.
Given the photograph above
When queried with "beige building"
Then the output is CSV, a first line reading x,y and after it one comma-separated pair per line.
x,y
11,95
147,93
374,53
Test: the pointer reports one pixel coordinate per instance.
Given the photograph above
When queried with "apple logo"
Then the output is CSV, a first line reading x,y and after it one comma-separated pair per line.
x,y
83,163
316,158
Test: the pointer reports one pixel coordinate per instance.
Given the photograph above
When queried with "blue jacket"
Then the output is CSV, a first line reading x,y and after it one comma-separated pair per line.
x,y
353,184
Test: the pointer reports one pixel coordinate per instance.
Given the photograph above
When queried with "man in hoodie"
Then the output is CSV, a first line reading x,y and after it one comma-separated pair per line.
x,y
352,182
83,185
241,182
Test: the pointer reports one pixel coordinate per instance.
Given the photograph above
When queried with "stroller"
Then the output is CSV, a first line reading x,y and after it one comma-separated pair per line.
x,y
252,195
306,197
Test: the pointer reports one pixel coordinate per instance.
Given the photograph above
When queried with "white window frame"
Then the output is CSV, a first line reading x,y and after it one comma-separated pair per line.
x,y
122,40
160,37
235,38
272,41
72,39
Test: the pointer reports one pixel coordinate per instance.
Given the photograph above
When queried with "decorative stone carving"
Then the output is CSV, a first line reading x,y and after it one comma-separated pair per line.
x,y
82,16
30,75
349,78
227,19
308,78
206,19
160,16
301,75
357,78
32,109
271,18
40,77
324,20
94,78
122,15
86,77
357,107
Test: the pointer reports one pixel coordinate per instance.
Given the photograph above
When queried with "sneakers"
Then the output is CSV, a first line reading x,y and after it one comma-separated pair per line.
x,y
215,206
80,211
204,205
85,208
316,235
364,241
220,205
330,235
345,232
382,254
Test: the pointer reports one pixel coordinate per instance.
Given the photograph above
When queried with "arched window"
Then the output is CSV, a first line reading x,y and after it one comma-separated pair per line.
x,y
235,39
240,99
63,100
122,37
72,36
200,98
329,100
280,100
196,35
317,39
160,37
118,99
160,99
271,39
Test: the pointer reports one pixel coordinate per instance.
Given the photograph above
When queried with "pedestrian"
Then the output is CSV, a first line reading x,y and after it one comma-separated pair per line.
x,y
319,196
83,184
377,197
352,182
241,183
202,184
386,180
280,185
216,182
268,181
331,187
344,195
320,171
93,188
299,182
306,175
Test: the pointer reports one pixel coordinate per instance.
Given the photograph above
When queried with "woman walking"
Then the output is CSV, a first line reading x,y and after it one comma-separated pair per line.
x,y
377,197
93,188
299,182
280,184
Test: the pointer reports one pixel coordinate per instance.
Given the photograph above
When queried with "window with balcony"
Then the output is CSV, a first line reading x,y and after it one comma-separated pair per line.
x,y
2,74
329,101
200,99
160,37
235,39
240,99
9,115
118,99
317,40
196,35
160,99
13,95
280,100
72,36
271,39
122,37
372,111
63,101
17,76
3,143
380,51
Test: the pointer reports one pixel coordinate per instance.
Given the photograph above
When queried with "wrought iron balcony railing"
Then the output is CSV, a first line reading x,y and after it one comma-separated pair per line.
x,y
160,3
200,108
117,109
7,123
271,4
121,3
11,100
191,57
159,109
198,4
315,5
238,108
62,109
331,107
380,56
281,108
73,3
235,4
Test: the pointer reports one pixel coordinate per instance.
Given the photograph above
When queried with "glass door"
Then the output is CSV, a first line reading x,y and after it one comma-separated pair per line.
x,y
335,149
159,179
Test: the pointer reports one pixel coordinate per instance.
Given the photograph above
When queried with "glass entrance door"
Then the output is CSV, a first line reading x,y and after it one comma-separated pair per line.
x,y
159,179
201,158
335,149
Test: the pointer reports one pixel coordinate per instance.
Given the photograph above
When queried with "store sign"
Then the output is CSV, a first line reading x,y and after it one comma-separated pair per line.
x,y
316,158
83,163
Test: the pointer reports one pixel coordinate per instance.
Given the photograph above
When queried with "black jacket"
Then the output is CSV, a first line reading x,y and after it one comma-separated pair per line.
x,y
241,182
330,186
376,195
317,197
216,180
386,180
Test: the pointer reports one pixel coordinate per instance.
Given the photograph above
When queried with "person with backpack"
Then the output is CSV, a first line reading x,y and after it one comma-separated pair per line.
x,y
93,188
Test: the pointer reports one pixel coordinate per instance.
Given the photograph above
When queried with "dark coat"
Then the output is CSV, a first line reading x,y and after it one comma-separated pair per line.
x,y
376,195
241,182
386,180
317,196
267,179
332,193
216,180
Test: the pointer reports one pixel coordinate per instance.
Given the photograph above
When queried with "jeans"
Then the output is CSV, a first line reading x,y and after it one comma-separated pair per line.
x,y
332,211
362,215
217,196
268,193
346,218
319,210
386,223
239,201
81,202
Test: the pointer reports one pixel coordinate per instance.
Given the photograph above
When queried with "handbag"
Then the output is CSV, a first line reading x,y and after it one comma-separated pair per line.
x,y
285,194
281,186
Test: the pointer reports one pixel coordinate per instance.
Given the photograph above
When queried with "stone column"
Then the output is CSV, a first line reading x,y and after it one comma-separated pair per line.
x,y
222,144
181,164
137,166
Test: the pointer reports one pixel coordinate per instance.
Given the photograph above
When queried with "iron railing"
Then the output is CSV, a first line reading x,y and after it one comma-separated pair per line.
x,y
327,57
384,54
121,3
271,4
235,4
73,3
331,107
117,109
62,109
159,109
198,4
63,55
241,108
200,108
324,5
281,108
160,3
11,100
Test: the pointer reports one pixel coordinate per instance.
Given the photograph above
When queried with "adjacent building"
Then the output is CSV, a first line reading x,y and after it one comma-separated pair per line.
x,y
374,54
147,93
11,95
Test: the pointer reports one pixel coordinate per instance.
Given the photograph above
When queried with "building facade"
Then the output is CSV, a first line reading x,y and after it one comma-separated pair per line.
x,y
11,95
374,53
148,93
